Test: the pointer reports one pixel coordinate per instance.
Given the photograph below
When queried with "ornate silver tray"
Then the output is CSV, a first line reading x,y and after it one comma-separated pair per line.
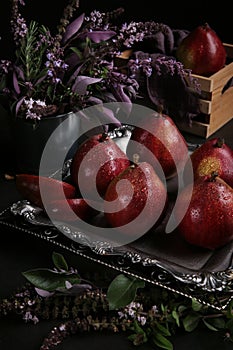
x,y
162,260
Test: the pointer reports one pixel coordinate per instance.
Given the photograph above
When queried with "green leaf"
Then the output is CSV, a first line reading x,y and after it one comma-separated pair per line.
x,y
122,291
137,328
59,261
191,321
139,337
77,51
162,342
50,280
229,325
216,322
229,310
182,308
196,306
163,308
132,337
175,315
163,330
208,325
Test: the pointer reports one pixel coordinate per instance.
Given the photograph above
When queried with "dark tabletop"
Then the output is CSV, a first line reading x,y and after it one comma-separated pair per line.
x,y
20,252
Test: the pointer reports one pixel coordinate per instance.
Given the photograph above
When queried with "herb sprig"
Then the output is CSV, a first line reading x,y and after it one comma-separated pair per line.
x,y
79,66
146,314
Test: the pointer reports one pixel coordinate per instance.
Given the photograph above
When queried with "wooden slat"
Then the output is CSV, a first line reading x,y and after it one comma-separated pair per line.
x,y
197,128
206,84
205,106
217,106
229,49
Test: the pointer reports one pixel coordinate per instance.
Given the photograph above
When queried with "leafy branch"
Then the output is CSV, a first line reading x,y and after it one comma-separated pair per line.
x,y
127,304
29,53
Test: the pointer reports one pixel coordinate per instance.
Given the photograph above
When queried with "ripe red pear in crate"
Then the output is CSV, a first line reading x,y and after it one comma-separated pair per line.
x,y
96,162
208,221
215,103
202,51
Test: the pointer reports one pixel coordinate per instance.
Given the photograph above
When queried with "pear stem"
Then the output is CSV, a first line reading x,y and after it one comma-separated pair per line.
x,y
213,176
160,109
104,137
220,142
136,158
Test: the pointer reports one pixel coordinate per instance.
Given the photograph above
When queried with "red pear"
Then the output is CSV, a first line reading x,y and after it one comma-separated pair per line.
x,y
138,198
208,221
202,51
159,134
30,188
214,155
96,162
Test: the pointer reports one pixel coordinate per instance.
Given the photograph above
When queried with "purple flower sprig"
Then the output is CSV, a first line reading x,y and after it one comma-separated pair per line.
x,y
78,66
66,72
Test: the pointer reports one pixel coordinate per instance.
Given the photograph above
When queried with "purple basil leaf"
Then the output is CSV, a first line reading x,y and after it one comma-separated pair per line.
x,y
43,293
82,82
107,116
75,289
121,96
40,80
75,74
94,100
119,93
100,35
99,116
18,104
109,97
73,28
15,83
72,60
20,73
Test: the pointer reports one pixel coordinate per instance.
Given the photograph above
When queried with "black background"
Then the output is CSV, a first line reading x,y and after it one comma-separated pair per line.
x,y
20,252
176,14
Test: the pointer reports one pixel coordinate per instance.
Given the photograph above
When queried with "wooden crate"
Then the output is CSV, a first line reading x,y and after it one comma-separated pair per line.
x,y
216,107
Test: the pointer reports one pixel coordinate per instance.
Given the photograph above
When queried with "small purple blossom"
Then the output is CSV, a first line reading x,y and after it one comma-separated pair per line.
x,y
18,23
95,19
144,65
19,28
142,320
29,317
62,327
4,66
31,106
154,309
132,310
